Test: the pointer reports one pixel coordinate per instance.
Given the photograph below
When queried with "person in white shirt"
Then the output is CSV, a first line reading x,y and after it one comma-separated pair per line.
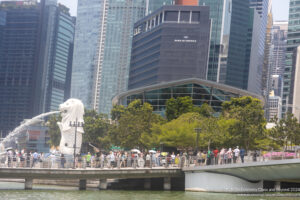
x,y
236,153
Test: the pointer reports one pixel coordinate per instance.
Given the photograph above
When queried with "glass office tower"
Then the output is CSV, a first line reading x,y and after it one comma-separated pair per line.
x,y
116,60
220,13
279,40
228,46
89,32
36,42
102,50
292,43
258,46
60,66
19,33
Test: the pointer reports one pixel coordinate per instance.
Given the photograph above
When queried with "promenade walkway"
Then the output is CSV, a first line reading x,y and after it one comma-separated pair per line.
x,y
252,170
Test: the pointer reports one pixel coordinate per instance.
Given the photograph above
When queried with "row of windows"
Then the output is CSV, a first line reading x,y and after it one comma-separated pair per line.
x,y
141,55
168,16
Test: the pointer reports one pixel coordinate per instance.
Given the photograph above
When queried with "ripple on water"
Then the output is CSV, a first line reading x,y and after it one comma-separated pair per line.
x,y
14,191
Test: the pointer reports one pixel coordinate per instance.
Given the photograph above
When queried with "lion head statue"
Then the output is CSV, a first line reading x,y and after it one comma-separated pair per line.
x,y
71,110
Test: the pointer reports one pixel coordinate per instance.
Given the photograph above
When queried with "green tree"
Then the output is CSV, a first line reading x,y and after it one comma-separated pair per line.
x,y
53,130
96,129
287,130
205,110
180,132
117,112
133,127
178,106
248,125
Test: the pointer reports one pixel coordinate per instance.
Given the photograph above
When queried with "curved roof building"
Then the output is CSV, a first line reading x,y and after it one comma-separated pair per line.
x,y
201,91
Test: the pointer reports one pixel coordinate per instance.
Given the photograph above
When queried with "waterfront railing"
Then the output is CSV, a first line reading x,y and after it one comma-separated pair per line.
x,y
153,161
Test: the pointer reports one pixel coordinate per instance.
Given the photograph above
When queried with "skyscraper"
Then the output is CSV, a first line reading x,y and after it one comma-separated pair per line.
x,y
294,100
257,42
267,63
220,13
292,44
89,40
56,55
237,42
102,50
229,59
170,44
20,30
33,56
279,42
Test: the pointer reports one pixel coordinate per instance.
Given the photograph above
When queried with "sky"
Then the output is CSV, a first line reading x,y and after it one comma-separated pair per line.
x,y
280,8
72,4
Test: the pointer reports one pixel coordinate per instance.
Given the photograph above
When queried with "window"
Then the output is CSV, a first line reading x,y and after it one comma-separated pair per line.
x,y
195,16
185,16
171,16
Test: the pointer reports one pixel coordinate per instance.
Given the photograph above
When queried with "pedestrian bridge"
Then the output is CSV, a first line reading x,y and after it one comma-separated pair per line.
x,y
92,173
241,177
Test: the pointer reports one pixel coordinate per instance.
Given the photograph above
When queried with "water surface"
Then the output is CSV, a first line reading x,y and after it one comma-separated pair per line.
x,y
41,192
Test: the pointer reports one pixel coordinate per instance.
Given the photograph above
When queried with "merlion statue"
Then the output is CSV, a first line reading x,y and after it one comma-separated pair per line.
x,y
71,110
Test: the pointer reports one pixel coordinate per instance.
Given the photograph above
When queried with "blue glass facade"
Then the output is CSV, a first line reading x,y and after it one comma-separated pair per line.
x,y
36,40
235,59
220,13
237,68
258,73
102,50
170,44
90,30
293,42
19,33
60,62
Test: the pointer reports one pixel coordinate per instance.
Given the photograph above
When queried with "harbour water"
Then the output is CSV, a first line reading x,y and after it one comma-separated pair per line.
x,y
15,191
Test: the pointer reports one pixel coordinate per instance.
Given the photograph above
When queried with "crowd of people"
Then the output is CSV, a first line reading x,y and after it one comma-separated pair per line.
x,y
222,156
123,159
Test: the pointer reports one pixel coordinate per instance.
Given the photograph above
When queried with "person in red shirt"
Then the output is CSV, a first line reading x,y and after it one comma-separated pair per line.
x,y
216,156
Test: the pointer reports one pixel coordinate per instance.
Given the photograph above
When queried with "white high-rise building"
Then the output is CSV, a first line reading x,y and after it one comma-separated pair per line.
x,y
275,106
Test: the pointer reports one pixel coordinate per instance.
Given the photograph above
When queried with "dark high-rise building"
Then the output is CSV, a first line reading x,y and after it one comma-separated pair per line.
x,y
20,33
56,63
170,44
35,44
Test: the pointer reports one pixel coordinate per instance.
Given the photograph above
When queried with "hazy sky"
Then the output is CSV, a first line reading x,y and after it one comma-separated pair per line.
x,y
280,8
72,4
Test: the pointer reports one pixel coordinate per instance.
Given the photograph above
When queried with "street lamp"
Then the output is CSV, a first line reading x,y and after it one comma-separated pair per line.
x,y
75,124
198,131
17,145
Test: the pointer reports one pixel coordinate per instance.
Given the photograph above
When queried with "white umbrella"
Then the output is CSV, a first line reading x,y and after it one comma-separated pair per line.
x,y
152,151
135,151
